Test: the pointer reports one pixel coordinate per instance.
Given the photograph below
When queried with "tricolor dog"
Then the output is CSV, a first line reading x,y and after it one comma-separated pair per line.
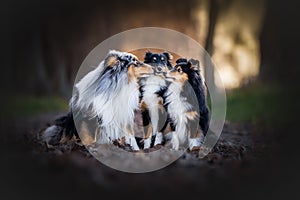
x,y
109,93
152,89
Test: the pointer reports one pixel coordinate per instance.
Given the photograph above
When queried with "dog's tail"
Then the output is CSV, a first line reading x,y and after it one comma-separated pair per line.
x,y
63,129
204,119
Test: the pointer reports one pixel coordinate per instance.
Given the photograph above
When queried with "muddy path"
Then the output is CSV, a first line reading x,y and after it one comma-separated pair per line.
x,y
236,163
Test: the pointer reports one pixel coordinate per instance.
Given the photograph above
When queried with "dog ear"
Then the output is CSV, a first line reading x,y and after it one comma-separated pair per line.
x,y
111,60
147,56
168,55
181,60
195,64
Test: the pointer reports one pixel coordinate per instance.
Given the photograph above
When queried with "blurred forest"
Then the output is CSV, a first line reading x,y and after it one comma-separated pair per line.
x,y
44,42
254,45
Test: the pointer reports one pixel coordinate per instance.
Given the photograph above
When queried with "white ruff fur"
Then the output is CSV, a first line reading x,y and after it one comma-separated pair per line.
x,y
115,107
86,88
151,85
177,108
117,114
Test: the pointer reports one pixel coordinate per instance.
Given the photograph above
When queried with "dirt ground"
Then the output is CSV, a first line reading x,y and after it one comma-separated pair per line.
x,y
239,166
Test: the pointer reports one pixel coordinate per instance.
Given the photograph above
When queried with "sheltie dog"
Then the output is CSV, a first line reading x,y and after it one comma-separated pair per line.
x,y
151,89
161,62
185,102
192,69
110,94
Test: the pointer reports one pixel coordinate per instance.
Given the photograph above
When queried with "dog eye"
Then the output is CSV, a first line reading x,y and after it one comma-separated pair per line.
x,y
135,62
162,58
154,58
179,69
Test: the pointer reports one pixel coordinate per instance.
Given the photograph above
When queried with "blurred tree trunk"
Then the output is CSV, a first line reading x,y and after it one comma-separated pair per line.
x,y
56,43
279,44
212,20
270,45
41,83
60,71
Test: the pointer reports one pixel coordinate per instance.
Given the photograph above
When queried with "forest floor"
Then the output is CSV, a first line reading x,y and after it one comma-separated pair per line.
x,y
70,169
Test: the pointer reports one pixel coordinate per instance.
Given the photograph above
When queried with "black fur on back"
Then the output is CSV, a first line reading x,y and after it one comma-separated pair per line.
x,y
192,69
68,125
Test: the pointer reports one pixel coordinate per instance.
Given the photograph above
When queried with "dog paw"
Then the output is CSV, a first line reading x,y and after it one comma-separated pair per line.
x,y
169,136
147,143
158,138
195,143
132,142
175,142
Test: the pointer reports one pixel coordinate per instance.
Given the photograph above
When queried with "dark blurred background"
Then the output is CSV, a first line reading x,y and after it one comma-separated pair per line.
x,y
44,42
253,43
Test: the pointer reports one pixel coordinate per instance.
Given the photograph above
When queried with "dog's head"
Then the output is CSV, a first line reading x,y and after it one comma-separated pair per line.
x,y
183,69
117,63
189,66
160,62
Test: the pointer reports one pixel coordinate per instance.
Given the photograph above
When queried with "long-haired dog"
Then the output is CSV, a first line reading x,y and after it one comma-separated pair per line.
x,y
192,69
151,89
110,93
189,119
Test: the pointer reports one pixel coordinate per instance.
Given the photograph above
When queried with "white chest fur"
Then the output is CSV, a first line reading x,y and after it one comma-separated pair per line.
x,y
118,107
177,109
152,84
117,111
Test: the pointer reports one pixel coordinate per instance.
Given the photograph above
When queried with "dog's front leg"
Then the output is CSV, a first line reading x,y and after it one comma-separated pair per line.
x,y
196,140
148,137
130,139
175,141
154,116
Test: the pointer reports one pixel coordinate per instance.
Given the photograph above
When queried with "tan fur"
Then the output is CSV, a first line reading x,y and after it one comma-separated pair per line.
x,y
191,115
122,141
142,69
85,135
129,130
111,61
149,131
64,139
179,77
131,74
143,106
160,104
167,129
135,71
197,134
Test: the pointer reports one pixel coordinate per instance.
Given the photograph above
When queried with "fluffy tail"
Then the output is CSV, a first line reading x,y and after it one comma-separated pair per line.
x,y
62,129
204,119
